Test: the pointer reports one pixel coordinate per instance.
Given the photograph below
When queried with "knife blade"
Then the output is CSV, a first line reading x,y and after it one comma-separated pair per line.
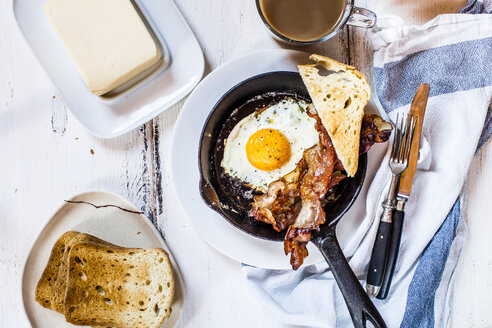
x,y
417,109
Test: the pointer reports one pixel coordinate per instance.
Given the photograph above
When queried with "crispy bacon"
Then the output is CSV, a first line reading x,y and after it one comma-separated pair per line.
x,y
295,243
279,206
373,130
315,183
295,201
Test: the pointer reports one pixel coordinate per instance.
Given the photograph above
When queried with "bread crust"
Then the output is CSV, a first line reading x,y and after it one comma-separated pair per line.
x,y
60,285
45,284
122,287
339,99
151,268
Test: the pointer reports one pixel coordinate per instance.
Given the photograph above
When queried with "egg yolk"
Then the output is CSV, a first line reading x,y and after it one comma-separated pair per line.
x,y
268,149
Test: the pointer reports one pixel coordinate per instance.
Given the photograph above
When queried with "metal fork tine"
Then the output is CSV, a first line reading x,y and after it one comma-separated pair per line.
x,y
410,138
398,145
405,143
400,137
395,140
403,134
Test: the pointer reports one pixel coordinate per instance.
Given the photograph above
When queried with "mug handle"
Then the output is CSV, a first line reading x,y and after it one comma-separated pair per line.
x,y
361,17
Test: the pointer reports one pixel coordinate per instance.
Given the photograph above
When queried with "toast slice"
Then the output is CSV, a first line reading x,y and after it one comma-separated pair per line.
x,y
60,285
339,98
45,284
123,288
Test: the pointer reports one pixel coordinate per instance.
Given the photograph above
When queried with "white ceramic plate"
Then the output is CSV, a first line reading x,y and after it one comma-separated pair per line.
x,y
216,230
107,118
108,223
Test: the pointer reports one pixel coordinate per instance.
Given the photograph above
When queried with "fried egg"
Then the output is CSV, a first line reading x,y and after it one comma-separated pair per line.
x,y
267,144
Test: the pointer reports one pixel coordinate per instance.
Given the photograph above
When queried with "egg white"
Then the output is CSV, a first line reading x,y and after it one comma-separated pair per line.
x,y
288,116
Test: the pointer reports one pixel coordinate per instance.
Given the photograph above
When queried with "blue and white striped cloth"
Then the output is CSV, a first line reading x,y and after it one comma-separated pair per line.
x,y
453,54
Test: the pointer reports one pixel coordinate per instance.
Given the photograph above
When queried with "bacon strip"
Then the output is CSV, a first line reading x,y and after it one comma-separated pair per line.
x,y
279,206
315,183
373,130
295,201
295,242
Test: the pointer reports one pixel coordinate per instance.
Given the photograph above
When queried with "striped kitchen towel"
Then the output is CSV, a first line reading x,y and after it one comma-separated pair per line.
x,y
453,54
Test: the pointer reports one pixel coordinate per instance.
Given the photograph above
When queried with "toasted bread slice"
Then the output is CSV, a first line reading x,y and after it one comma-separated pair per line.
x,y
339,99
60,285
128,287
48,278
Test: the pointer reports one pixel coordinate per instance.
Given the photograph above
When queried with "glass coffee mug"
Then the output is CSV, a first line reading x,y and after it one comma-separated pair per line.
x,y
304,22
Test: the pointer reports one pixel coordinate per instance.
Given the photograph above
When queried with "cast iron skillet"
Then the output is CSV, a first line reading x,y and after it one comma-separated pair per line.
x,y
232,200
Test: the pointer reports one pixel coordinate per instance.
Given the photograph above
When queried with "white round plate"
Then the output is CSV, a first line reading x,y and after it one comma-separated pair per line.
x,y
216,230
117,226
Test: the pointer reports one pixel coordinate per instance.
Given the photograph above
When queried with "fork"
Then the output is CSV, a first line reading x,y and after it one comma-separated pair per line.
x,y
398,163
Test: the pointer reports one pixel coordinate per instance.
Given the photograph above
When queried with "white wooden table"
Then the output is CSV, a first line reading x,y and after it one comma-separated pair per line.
x,y
47,156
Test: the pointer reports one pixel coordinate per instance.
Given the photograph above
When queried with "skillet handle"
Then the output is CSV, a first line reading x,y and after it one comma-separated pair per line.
x,y
359,304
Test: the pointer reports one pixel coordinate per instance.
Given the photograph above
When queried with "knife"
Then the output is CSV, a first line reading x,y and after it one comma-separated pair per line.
x,y
417,109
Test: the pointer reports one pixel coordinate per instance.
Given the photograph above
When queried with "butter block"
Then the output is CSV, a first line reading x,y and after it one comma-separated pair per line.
x,y
106,39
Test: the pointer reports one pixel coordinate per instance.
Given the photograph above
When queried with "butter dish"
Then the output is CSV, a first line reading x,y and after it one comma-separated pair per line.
x,y
107,40
171,78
